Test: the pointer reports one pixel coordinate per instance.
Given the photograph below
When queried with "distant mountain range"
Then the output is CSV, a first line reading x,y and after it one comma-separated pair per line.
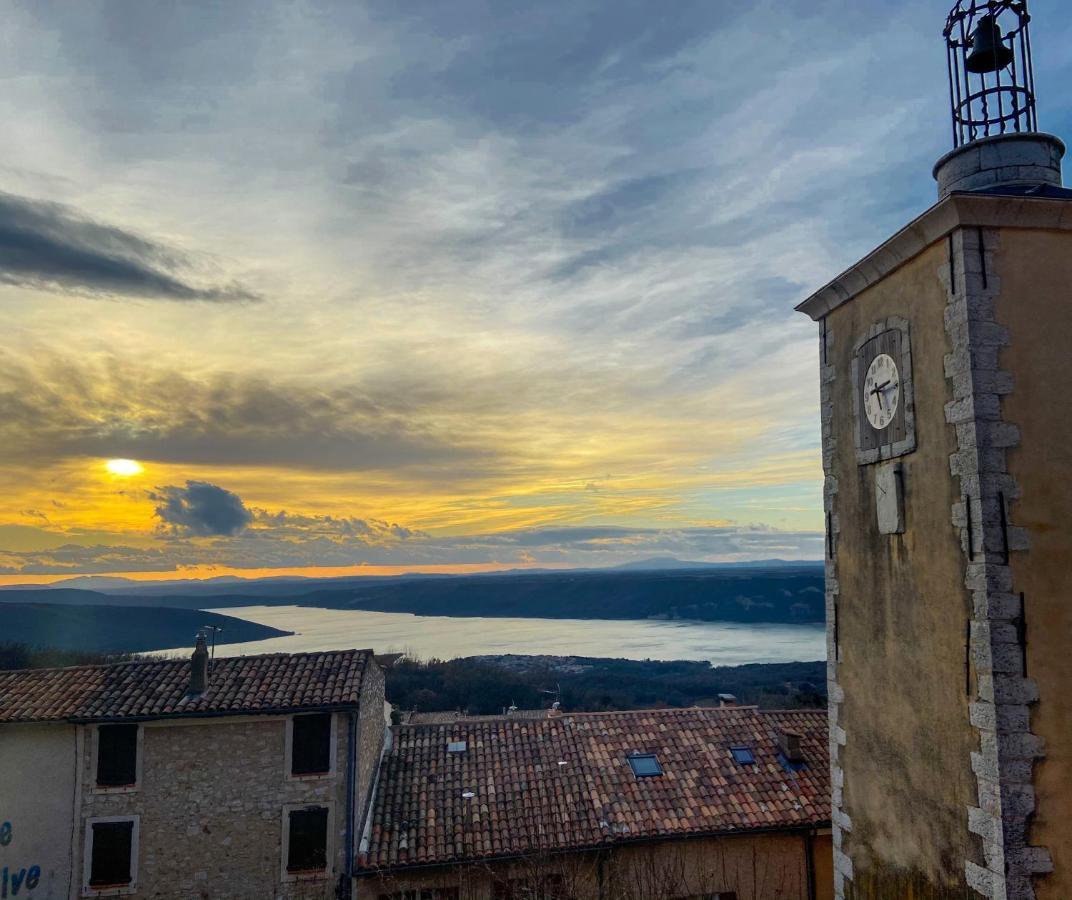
x,y
286,583
762,592
659,563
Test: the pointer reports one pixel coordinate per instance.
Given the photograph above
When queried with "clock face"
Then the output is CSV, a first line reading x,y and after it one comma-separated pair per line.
x,y
882,391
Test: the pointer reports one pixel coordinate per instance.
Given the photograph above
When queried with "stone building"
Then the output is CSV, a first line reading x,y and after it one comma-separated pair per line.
x,y
722,804
246,778
945,385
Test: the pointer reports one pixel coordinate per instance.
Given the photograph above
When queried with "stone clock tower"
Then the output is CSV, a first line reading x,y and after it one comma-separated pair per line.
x,y
946,385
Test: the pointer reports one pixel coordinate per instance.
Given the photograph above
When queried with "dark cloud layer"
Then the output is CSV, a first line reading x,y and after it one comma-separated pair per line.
x,y
55,409
201,509
51,247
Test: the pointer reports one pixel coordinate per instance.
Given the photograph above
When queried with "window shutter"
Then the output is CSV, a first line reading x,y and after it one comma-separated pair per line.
x,y
308,839
110,863
117,755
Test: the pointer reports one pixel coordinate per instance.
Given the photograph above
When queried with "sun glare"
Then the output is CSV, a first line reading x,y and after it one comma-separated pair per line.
x,y
123,467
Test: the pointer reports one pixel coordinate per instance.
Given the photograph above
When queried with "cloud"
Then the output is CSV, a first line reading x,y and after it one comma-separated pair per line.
x,y
47,246
511,248
368,531
52,409
201,509
285,541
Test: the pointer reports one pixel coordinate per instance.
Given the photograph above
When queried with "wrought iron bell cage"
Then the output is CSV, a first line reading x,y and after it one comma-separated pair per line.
x,y
991,82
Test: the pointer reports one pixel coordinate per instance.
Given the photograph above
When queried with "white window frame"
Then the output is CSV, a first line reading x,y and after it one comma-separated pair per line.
x,y
139,755
329,848
87,858
333,750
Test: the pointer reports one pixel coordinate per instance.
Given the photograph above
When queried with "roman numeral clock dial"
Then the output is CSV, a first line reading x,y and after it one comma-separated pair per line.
x,y
883,404
882,391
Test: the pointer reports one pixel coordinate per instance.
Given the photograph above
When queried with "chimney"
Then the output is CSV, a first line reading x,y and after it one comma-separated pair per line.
x,y
727,700
199,666
789,744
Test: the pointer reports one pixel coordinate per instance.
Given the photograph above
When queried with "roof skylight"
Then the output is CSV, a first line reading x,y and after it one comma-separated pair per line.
x,y
645,765
743,755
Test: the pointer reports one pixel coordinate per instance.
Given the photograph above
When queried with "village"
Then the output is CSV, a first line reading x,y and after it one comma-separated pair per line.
x,y
939,769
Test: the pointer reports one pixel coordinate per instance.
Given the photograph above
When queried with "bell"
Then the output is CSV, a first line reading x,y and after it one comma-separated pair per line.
x,y
988,52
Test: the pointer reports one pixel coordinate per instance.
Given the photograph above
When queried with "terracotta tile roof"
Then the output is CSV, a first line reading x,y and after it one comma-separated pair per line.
x,y
566,782
445,717
276,682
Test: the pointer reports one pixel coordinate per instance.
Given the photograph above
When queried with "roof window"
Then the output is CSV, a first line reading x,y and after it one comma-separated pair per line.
x,y
743,755
645,765
456,747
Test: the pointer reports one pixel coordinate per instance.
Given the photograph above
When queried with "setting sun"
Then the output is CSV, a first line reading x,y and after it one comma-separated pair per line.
x,y
124,467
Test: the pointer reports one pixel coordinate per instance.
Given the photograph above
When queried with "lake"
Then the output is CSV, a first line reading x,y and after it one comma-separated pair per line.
x,y
721,643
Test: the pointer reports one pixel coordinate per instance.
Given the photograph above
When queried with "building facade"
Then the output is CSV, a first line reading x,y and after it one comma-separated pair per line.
x,y
944,388
135,780
729,803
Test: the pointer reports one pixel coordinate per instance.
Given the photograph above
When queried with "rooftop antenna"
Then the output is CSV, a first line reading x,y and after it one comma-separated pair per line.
x,y
556,693
213,629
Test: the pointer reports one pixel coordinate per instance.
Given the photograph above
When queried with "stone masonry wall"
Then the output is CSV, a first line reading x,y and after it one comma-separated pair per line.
x,y
211,804
370,741
835,693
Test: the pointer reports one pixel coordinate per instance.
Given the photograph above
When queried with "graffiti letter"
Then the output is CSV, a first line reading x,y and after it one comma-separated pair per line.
x,y
5,834
16,881
33,877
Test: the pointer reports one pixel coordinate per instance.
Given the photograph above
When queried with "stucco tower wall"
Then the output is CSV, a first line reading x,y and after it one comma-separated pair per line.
x,y
1004,266
901,739
1034,306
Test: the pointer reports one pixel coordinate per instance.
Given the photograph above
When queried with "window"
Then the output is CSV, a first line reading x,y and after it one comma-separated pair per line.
x,y
743,755
111,853
307,849
310,744
117,755
456,747
645,765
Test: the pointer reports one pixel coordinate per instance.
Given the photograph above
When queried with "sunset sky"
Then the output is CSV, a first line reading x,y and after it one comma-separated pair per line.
x,y
447,285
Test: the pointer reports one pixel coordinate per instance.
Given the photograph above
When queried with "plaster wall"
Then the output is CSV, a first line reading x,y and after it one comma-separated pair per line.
x,y
1035,305
902,616
37,795
210,805
760,867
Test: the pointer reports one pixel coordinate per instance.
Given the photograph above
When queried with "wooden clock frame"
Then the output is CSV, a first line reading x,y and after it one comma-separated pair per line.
x,y
890,336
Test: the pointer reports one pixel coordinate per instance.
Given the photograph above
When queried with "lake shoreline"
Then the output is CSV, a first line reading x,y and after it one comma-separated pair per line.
x,y
452,637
